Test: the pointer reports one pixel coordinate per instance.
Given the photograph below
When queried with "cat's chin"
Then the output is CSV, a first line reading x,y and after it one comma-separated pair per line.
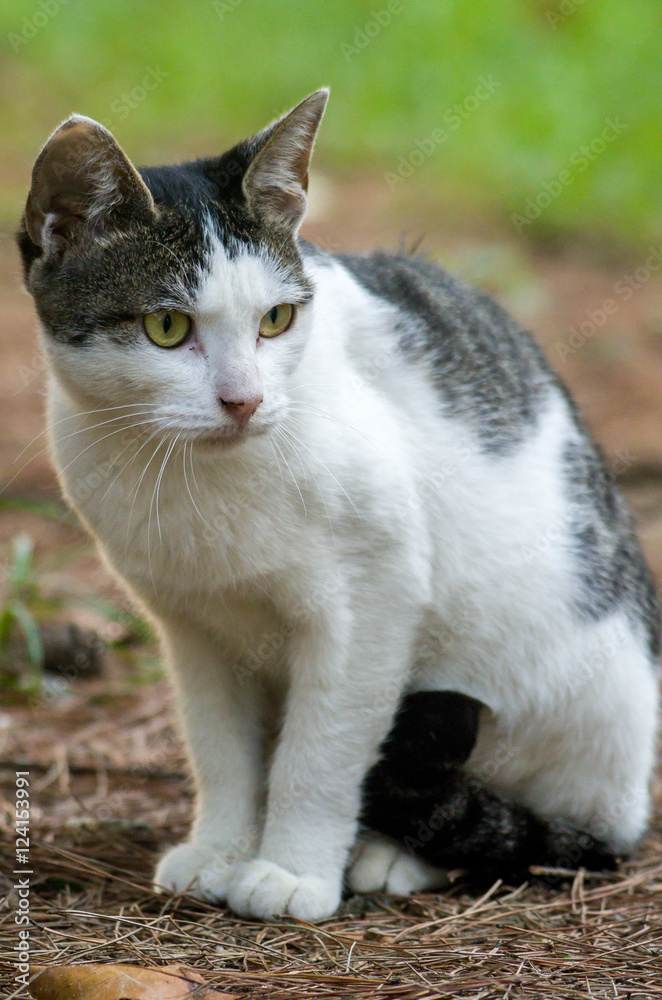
x,y
217,442
223,441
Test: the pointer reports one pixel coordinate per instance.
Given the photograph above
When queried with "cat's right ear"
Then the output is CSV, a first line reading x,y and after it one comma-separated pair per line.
x,y
82,178
276,180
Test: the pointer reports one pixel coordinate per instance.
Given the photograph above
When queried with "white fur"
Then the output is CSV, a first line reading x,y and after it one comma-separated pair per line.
x,y
381,865
357,544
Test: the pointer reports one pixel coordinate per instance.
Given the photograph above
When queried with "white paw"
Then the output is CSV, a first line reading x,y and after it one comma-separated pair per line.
x,y
382,865
194,868
263,889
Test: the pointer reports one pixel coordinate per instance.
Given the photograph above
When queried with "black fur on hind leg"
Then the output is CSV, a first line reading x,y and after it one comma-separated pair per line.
x,y
419,794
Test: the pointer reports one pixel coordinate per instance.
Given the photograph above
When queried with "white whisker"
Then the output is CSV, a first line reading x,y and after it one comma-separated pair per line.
x,y
155,495
169,249
125,416
290,441
313,385
117,430
294,480
280,471
136,489
190,458
335,479
188,488
128,463
343,423
62,420
169,452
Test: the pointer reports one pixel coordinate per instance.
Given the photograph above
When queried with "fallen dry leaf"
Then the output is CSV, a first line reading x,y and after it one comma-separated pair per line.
x,y
120,982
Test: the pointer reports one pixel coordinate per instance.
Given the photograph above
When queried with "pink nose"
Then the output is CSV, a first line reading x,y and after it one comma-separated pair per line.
x,y
241,409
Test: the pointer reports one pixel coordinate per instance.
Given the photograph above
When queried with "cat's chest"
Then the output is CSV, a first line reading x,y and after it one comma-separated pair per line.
x,y
181,528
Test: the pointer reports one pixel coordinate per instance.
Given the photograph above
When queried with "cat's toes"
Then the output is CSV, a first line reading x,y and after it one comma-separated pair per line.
x,y
263,889
194,868
375,856
382,865
410,874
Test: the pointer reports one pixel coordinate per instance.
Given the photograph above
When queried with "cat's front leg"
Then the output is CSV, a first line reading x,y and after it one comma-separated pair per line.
x,y
223,734
341,704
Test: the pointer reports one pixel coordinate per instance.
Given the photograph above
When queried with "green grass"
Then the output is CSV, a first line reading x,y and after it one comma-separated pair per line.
x,y
232,65
18,613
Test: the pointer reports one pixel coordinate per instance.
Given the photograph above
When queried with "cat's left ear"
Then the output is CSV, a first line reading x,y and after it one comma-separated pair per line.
x,y
276,180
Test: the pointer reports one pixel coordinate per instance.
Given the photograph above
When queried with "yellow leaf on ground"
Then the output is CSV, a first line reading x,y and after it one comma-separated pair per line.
x,y
120,982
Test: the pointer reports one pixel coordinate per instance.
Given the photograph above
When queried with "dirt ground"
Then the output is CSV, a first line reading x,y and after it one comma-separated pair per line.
x,y
107,776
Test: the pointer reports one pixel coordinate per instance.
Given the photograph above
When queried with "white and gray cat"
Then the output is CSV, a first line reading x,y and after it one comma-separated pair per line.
x,y
346,489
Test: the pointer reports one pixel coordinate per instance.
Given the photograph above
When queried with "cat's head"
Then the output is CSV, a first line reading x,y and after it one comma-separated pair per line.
x,y
178,292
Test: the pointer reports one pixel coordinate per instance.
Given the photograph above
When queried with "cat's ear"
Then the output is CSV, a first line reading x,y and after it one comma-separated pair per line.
x,y
276,180
82,178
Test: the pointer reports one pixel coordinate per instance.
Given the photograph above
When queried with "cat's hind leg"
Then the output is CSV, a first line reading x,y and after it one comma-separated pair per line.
x,y
420,795
382,865
433,731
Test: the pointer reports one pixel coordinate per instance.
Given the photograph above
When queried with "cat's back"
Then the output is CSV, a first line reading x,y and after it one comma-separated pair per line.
x,y
488,372
530,461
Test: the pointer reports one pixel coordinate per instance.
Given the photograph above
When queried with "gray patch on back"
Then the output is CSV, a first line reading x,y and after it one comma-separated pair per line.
x,y
611,569
489,373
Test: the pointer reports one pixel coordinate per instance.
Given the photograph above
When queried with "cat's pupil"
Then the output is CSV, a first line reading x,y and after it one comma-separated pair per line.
x,y
167,322
273,315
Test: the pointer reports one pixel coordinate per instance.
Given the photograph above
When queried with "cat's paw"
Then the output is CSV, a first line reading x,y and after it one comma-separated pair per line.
x,y
263,889
197,869
382,865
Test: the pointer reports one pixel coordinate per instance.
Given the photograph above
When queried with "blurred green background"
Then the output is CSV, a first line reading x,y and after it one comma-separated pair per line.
x,y
516,88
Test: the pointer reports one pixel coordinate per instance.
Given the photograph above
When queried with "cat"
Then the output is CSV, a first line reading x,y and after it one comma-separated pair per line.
x,y
354,500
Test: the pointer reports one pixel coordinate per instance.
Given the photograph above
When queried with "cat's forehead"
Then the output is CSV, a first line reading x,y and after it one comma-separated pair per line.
x,y
218,214
241,277
216,246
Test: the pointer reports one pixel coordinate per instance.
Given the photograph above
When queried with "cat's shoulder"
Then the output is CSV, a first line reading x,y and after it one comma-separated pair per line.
x,y
449,308
489,371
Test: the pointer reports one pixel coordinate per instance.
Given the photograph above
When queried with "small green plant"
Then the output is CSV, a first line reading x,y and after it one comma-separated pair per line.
x,y
17,614
138,628
42,646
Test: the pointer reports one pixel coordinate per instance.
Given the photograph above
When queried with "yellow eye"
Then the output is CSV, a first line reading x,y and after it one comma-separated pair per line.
x,y
167,327
276,320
